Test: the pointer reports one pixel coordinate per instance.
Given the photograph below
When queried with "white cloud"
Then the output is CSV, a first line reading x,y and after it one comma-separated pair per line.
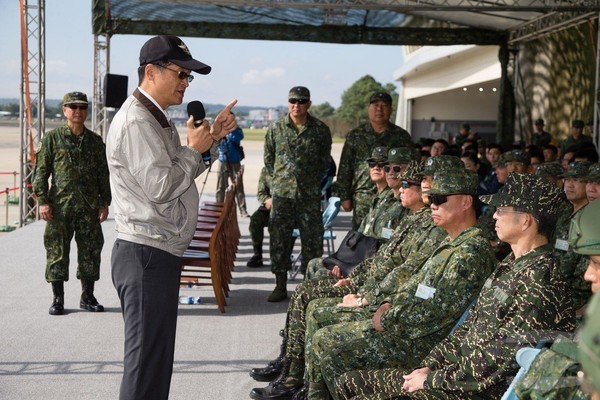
x,y
259,77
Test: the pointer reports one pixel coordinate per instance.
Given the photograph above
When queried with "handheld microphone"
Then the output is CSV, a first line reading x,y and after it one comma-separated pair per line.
x,y
196,109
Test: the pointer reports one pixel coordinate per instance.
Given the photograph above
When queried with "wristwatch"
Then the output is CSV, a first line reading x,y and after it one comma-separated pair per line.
x,y
426,384
359,301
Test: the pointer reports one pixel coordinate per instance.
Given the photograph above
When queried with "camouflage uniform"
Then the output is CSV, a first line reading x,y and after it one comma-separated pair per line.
x,y
457,269
295,162
260,218
521,303
571,265
79,188
353,181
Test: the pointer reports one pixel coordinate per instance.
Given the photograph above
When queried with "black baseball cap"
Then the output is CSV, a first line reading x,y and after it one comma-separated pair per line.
x,y
172,49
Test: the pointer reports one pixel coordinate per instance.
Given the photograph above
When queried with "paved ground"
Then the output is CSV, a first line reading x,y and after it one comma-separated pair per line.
x,y
79,355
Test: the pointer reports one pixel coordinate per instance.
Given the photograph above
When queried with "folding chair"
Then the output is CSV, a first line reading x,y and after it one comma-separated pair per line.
x,y
329,215
525,357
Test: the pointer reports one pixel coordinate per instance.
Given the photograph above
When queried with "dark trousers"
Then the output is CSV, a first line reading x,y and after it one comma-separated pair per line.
x,y
147,282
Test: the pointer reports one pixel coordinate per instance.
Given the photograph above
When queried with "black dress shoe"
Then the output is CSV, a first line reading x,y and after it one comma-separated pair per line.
x,y
268,373
275,391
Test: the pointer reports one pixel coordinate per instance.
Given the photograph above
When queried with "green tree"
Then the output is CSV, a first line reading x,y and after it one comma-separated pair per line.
x,y
355,99
322,110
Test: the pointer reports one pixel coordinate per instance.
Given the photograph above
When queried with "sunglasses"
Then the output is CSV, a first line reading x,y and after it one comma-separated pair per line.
x,y
299,101
438,199
395,168
182,75
373,164
77,106
407,184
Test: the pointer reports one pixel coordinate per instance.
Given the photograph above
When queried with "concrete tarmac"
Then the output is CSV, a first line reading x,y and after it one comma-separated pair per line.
x,y
79,355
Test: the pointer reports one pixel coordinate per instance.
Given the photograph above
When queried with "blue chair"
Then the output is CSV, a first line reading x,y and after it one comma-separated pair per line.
x,y
329,215
525,357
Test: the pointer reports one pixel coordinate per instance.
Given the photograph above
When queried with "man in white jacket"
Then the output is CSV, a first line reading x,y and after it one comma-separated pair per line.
x,y
155,203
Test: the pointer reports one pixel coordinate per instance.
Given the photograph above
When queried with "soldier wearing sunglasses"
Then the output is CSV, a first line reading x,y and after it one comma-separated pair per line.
x,y
75,202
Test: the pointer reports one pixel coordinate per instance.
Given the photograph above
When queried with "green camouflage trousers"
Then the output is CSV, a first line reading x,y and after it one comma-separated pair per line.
x,y
57,240
305,292
341,339
258,222
286,215
361,204
385,384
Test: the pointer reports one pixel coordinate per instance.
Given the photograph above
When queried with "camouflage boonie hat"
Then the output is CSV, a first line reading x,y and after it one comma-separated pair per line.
x,y
413,171
594,173
441,163
589,344
549,169
577,169
529,192
379,153
402,155
75,98
584,231
299,92
454,181
518,156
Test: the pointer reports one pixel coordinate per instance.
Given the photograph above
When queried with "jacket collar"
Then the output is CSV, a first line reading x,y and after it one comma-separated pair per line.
x,y
156,113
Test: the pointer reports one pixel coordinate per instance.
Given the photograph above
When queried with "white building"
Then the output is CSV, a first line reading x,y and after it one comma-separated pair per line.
x,y
442,87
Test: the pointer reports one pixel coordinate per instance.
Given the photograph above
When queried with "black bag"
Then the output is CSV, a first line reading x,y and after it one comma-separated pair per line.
x,y
355,247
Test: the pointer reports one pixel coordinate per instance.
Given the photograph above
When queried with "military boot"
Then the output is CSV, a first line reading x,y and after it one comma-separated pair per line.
x,y
280,292
58,304
88,301
273,369
256,260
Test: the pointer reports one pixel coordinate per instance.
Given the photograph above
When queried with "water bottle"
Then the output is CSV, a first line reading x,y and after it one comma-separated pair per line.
x,y
190,300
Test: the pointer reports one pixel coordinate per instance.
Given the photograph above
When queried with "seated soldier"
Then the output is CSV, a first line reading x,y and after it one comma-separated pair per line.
x,y
520,304
414,239
592,188
412,309
385,213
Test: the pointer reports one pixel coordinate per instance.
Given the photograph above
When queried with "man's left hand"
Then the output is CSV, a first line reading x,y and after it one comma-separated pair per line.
x,y
377,317
103,214
414,380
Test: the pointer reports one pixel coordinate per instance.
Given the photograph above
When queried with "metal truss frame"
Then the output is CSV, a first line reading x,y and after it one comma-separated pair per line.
x,y
33,99
101,68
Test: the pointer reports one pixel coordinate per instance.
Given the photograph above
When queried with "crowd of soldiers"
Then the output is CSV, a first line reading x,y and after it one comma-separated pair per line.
x,y
471,267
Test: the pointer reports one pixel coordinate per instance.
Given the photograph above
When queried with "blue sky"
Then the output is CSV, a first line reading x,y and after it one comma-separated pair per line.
x,y
257,73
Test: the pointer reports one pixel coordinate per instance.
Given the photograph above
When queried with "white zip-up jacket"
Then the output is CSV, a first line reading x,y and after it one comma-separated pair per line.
x,y
155,198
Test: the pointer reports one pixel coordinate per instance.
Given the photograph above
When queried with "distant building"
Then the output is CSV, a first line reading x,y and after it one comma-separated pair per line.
x,y
441,87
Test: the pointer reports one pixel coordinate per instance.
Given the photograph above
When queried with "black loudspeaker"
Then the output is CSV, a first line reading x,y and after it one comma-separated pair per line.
x,y
115,90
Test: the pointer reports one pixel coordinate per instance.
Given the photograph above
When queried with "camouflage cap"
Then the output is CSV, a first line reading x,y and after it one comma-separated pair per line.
x,y
381,96
299,92
441,163
594,173
518,156
589,343
577,169
529,192
577,123
502,161
413,171
454,181
584,231
379,153
549,169
75,98
402,155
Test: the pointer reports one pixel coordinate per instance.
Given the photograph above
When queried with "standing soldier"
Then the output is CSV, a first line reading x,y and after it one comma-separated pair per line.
x,y
297,150
353,185
76,202
260,219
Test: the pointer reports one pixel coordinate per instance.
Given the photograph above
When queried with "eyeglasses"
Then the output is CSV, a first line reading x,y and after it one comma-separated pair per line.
x,y
299,101
373,164
407,184
77,106
182,75
395,168
438,199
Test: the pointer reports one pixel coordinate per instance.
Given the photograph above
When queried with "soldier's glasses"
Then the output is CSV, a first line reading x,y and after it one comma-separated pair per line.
x,y
299,101
395,168
182,75
407,184
438,199
373,164
77,106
